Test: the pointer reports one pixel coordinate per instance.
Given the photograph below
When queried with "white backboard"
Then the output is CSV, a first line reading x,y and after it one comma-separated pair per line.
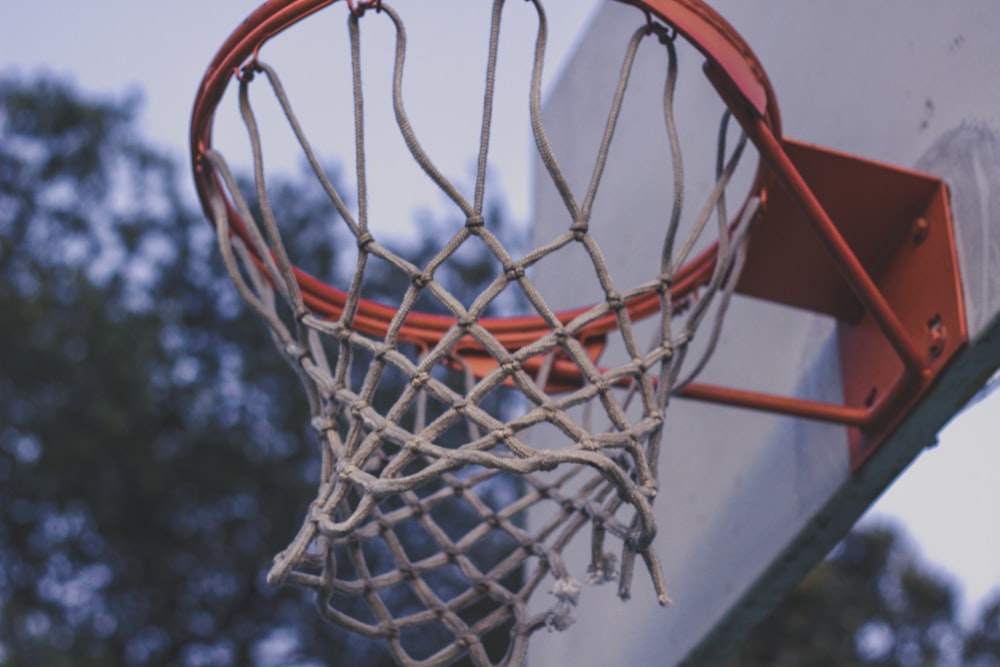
x,y
749,502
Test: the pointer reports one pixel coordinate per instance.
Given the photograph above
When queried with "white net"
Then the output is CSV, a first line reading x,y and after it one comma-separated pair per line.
x,y
457,464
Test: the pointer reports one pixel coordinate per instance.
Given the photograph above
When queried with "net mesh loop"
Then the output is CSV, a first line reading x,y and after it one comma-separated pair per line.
x,y
443,509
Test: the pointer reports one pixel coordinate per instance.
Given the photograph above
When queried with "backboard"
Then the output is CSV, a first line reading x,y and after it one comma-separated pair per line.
x,y
746,500
749,502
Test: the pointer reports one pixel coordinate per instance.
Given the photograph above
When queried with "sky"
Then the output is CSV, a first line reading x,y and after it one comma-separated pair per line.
x,y
947,499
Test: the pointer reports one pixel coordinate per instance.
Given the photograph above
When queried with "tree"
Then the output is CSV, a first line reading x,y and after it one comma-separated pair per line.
x,y
154,449
982,645
133,524
871,603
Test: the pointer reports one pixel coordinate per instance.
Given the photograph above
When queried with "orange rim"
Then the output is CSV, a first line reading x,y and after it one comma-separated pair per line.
x,y
742,78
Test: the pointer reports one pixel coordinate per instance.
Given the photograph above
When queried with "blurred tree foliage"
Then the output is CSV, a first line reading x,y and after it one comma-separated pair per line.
x,y
154,448
871,603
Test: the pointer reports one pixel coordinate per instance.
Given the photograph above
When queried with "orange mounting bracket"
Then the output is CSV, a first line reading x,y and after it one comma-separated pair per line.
x,y
898,225
886,269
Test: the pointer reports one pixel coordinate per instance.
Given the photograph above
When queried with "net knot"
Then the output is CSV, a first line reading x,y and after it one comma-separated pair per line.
x,y
358,409
510,367
419,444
346,470
614,301
503,434
513,272
579,229
475,222
664,283
420,379
551,410
421,280
364,240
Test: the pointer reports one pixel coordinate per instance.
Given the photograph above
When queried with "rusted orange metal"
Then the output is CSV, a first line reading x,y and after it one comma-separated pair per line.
x,y
897,225
868,244
837,238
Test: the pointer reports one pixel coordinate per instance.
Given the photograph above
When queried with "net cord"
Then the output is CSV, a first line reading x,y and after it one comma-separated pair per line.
x,y
358,474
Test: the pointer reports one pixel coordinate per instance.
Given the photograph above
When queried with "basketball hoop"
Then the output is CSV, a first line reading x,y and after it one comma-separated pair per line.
x,y
393,471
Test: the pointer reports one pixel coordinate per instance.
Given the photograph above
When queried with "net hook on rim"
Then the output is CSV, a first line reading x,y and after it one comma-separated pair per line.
x,y
358,8
246,73
663,32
